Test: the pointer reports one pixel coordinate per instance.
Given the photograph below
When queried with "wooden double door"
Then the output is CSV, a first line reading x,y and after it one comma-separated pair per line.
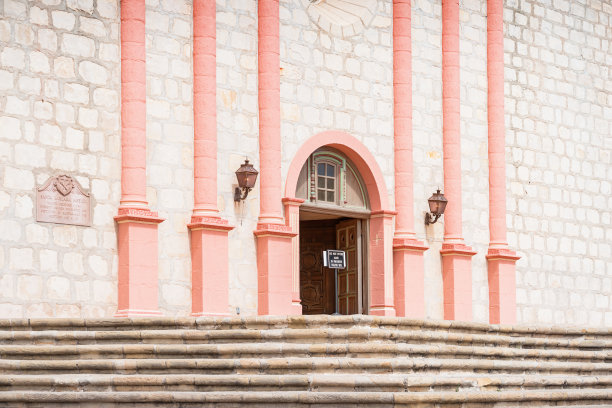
x,y
317,283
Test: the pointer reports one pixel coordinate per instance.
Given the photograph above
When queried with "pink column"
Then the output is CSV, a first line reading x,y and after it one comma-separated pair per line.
x,y
408,267
273,236
136,224
456,256
501,260
209,232
382,282
292,220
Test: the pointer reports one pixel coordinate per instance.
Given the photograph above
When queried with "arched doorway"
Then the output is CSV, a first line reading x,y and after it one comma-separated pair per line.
x,y
334,215
376,232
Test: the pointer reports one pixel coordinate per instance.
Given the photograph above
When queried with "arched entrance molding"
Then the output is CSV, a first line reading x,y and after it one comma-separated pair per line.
x,y
381,220
356,152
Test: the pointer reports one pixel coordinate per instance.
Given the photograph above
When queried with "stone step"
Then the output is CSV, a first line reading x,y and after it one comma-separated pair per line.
x,y
315,335
305,398
307,382
298,365
278,350
301,322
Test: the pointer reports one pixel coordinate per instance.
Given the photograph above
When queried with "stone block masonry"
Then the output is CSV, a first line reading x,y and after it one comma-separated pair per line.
x,y
59,113
59,74
558,120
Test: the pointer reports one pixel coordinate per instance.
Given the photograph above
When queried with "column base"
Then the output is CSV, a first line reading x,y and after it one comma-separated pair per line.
x,y
457,281
381,263
501,263
409,277
274,272
137,293
292,220
209,266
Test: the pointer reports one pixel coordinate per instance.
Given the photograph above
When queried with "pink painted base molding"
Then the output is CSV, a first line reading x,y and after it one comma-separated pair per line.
x,y
502,285
274,277
409,278
382,301
137,272
457,281
209,266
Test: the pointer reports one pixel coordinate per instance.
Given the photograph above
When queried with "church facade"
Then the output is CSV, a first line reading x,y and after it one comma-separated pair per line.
x,y
123,123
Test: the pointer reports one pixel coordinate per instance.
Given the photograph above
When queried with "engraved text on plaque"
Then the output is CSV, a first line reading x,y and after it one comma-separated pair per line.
x,y
62,200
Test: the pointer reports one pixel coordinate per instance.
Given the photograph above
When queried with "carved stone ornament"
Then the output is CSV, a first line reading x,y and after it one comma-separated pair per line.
x,y
62,200
341,18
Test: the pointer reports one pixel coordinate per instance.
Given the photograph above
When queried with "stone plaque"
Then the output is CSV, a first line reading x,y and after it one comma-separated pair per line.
x,y
62,200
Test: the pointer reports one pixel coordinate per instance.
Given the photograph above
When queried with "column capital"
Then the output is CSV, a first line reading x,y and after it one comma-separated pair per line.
x,y
280,230
502,254
457,249
210,223
409,244
143,215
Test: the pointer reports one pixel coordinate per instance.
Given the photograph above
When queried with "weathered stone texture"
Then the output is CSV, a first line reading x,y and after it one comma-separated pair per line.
x,y
59,112
558,119
50,68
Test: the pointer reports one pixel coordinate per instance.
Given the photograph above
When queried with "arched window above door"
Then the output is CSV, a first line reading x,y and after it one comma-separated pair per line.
x,y
329,179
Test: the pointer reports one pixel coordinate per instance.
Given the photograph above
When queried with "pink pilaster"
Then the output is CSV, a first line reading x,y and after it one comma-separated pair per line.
x,y
292,220
269,112
136,224
501,260
274,238
209,232
381,264
456,256
408,266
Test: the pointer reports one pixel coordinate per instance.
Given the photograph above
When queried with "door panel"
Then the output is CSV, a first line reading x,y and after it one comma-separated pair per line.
x,y
316,281
348,238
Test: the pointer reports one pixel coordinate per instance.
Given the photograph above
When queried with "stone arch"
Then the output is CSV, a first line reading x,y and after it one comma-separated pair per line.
x,y
381,219
356,152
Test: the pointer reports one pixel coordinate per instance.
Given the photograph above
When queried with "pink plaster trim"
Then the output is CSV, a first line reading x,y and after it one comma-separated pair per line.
x,y
133,104
451,121
408,244
502,290
402,119
292,220
274,278
209,273
496,137
293,201
457,249
210,223
269,111
138,215
137,274
205,106
356,152
502,253
274,229
409,281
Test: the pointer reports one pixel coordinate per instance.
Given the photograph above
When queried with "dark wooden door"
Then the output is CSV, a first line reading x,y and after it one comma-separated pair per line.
x,y
348,239
316,281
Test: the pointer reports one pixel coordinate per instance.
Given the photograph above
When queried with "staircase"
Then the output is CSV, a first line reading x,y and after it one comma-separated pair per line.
x,y
302,361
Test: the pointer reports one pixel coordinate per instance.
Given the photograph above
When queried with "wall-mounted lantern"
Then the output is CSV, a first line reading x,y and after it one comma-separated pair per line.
x,y
437,205
246,175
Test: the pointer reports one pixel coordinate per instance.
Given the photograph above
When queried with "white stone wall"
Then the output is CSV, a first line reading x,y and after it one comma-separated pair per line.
x,y
59,113
170,145
559,121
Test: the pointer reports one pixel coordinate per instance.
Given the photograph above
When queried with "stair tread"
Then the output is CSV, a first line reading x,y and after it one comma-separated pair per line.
x,y
309,397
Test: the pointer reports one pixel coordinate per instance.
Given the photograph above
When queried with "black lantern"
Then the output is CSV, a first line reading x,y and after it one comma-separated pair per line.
x,y
246,175
437,205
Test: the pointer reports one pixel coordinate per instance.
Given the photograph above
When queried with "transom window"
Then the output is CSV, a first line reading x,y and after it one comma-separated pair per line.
x,y
326,182
329,179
